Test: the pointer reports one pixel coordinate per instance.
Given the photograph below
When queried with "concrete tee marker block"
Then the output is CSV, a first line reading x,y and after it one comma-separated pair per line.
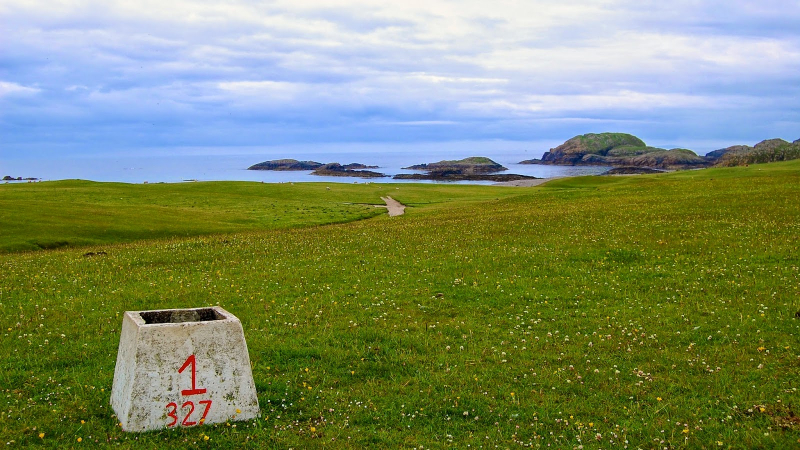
x,y
182,367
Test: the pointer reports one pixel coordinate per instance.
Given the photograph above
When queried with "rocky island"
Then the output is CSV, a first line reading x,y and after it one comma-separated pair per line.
x,y
629,154
285,164
330,169
10,178
473,164
348,170
618,150
770,150
474,168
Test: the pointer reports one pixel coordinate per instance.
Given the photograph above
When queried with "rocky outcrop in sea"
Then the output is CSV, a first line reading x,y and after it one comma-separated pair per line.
x,y
474,168
618,150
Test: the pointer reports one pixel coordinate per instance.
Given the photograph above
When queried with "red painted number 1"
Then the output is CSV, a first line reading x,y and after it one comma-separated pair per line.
x,y
193,391
172,407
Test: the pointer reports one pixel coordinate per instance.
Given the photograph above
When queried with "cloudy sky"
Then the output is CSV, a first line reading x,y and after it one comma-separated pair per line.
x,y
95,76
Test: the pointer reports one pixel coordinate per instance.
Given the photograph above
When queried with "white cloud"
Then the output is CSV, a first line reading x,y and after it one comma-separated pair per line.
x,y
611,101
421,63
9,88
445,79
414,123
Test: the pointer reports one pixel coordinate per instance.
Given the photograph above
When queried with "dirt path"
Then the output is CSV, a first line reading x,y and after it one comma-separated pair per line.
x,y
395,208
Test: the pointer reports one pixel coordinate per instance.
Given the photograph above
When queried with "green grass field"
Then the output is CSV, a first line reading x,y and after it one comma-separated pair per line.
x,y
36,216
602,312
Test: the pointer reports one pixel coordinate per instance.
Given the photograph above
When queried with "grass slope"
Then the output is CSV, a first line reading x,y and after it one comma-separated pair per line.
x,y
48,215
651,311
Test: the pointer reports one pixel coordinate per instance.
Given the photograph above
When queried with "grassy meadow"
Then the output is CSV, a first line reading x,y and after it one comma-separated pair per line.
x,y
595,312
49,215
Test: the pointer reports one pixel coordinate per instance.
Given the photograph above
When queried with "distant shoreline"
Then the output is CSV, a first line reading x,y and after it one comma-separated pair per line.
x,y
526,183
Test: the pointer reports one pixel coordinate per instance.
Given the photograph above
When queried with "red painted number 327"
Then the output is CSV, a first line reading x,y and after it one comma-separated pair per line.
x,y
172,407
172,411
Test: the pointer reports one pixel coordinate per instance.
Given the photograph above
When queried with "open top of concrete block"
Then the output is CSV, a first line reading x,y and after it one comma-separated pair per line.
x,y
163,316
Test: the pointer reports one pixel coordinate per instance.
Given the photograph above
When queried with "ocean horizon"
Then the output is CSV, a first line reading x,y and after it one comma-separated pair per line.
x,y
222,164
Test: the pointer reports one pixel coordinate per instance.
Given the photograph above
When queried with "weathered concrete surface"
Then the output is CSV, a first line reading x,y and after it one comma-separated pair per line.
x,y
182,368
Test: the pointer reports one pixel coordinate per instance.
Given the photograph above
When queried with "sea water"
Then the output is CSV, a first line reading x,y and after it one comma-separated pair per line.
x,y
230,164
